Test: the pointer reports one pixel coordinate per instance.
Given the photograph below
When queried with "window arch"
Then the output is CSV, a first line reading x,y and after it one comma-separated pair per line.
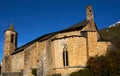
x,y
65,55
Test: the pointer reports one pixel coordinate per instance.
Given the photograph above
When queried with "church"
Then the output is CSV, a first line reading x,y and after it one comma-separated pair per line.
x,y
54,54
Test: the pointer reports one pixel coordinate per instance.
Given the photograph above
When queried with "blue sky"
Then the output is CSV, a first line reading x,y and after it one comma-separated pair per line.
x,y
33,18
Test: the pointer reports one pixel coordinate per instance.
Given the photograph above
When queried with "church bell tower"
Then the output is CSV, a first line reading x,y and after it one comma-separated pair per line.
x,y
10,44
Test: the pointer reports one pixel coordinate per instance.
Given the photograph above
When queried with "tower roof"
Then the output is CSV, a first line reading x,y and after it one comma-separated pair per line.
x,y
11,28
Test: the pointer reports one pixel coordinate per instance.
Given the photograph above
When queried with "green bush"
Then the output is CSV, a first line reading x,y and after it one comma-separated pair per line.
x,y
97,66
56,74
84,72
34,72
108,65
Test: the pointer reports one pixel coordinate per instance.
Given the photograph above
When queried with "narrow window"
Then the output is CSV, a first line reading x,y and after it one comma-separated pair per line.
x,y
65,56
12,38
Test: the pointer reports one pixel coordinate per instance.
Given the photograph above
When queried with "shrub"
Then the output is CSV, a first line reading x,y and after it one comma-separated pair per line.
x,y
34,72
84,72
108,65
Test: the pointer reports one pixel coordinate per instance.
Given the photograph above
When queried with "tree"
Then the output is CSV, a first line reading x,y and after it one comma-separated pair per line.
x,y
108,65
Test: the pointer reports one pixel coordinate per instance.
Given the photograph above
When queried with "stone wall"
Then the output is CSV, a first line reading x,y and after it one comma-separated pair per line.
x,y
92,43
103,47
17,62
96,47
67,34
30,59
26,60
77,54
13,74
80,48
42,58
47,56
9,47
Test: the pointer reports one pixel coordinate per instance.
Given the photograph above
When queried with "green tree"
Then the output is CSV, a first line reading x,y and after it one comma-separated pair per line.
x,y
108,65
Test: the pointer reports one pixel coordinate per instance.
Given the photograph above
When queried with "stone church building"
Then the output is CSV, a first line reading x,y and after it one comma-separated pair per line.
x,y
55,54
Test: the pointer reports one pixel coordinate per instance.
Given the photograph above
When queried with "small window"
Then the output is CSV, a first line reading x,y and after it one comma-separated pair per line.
x,y
12,38
90,10
65,56
83,33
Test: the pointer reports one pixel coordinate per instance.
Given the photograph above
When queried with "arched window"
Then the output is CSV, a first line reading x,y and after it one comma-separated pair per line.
x,y
65,56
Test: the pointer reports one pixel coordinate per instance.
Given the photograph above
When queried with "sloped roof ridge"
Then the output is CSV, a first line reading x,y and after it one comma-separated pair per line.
x,y
82,23
77,26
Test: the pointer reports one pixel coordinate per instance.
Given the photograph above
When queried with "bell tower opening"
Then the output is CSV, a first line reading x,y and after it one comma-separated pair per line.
x,y
12,38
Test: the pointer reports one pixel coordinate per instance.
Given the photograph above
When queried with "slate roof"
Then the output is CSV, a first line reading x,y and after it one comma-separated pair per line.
x,y
77,26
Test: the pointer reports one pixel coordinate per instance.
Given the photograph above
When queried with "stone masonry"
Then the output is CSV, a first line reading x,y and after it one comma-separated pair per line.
x,y
57,53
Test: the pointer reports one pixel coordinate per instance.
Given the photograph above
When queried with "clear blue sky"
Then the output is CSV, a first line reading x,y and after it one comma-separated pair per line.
x,y
33,18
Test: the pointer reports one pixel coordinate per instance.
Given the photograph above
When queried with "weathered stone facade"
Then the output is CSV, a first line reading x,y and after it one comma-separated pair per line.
x,y
10,44
17,62
62,52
